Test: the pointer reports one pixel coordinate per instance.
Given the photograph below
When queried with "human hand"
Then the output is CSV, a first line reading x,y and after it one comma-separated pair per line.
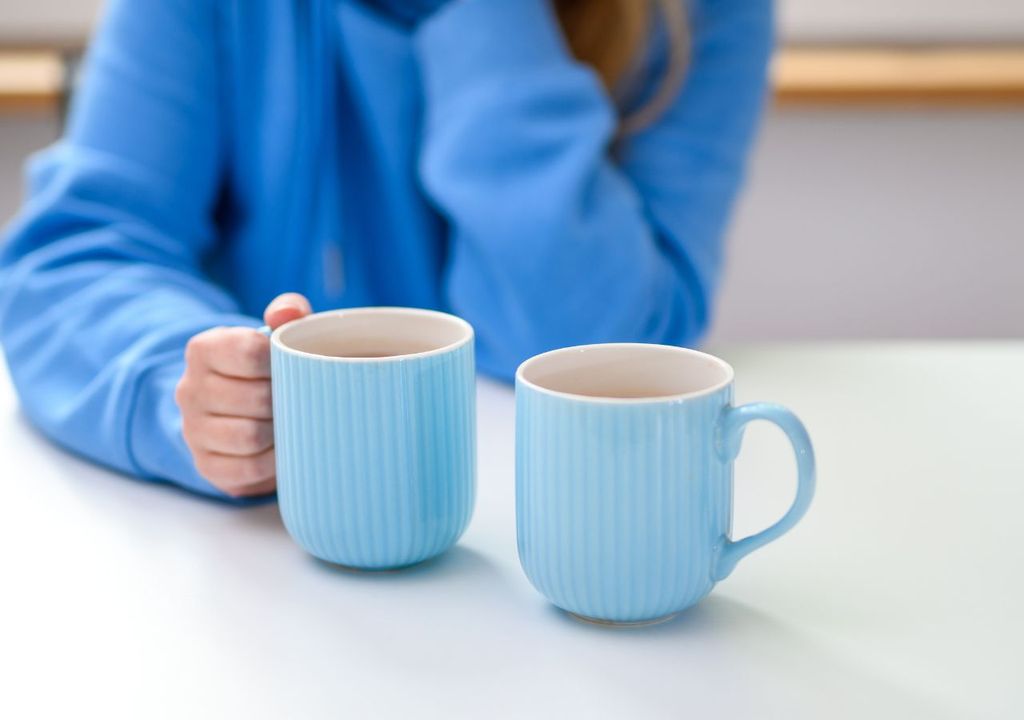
x,y
225,402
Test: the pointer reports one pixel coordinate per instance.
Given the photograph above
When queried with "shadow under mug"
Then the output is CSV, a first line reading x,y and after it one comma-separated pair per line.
x,y
624,469
375,433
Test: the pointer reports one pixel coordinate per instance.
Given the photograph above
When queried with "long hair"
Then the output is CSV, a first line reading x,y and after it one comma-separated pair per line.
x,y
611,35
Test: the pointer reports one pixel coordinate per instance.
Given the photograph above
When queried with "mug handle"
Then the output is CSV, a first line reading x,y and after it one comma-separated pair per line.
x,y
730,434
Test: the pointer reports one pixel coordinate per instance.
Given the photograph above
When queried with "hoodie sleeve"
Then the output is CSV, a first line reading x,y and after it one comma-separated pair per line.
x,y
100,279
554,241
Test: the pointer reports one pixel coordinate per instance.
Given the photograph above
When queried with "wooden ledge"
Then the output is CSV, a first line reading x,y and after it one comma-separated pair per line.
x,y
33,80
30,80
946,76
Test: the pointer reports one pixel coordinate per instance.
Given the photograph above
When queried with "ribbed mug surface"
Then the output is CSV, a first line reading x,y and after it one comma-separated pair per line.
x,y
620,507
624,469
376,458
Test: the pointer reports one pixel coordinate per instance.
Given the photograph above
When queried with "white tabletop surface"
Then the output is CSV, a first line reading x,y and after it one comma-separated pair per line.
x,y
900,595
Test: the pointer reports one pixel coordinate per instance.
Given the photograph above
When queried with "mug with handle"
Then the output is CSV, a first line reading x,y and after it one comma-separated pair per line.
x,y
375,433
624,468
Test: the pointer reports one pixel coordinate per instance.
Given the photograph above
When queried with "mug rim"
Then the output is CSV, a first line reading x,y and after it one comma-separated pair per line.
x,y
730,375
468,336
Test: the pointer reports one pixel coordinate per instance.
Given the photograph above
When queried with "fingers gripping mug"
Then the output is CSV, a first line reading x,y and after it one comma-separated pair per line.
x,y
375,433
624,466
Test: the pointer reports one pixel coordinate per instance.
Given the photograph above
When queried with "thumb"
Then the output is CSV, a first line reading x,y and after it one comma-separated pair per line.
x,y
285,308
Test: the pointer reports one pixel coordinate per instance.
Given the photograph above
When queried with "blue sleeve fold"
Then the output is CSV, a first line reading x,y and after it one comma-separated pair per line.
x,y
554,241
100,275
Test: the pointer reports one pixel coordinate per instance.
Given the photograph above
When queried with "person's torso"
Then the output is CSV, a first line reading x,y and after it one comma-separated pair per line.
x,y
322,118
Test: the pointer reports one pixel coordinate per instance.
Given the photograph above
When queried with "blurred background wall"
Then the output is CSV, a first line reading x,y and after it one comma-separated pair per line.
x,y
886,194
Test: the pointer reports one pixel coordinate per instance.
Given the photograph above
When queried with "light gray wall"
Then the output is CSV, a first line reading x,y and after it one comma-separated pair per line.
x,y
19,135
799,20
880,224
911,21
854,225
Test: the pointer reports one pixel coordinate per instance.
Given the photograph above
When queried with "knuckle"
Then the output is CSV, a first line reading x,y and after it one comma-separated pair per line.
x,y
262,467
195,346
192,430
268,464
208,386
249,434
200,344
250,470
182,391
254,348
257,398
263,434
203,465
263,395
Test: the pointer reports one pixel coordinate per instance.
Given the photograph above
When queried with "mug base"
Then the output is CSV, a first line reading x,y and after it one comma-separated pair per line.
x,y
370,570
618,624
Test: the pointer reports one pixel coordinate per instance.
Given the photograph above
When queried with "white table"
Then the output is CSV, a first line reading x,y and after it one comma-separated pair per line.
x,y
900,595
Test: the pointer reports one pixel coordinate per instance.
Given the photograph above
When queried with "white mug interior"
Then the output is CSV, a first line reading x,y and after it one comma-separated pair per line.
x,y
374,333
626,372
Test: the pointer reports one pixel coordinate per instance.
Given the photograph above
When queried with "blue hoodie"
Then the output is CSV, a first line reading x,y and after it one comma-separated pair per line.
x,y
221,152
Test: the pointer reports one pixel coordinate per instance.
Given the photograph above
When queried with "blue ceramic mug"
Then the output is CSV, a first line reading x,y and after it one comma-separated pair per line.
x,y
624,466
375,433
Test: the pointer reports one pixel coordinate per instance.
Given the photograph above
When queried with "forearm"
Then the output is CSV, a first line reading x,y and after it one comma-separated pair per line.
x,y
101,281
95,346
551,244
560,255
96,305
